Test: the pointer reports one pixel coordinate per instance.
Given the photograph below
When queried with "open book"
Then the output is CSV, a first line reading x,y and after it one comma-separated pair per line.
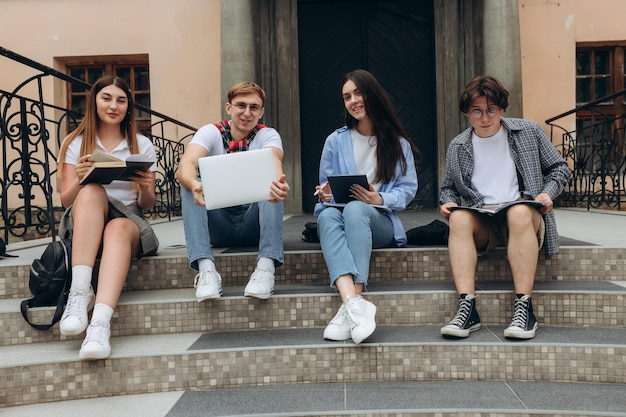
x,y
108,168
494,209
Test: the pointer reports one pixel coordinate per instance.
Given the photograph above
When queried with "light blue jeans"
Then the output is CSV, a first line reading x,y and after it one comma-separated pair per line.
x,y
347,238
248,225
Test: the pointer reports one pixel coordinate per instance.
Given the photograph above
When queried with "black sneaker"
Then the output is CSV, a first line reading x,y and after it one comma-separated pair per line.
x,y
524,323
466,319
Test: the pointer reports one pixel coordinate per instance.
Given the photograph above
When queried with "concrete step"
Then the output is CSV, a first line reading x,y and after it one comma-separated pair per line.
x,y
392,398
48,372
556,303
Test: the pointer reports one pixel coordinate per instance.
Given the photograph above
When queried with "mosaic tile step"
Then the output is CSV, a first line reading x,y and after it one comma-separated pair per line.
x,y
388,265
556,303
50,371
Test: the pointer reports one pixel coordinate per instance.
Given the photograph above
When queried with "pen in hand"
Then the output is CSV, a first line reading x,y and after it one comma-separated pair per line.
x,y
319,190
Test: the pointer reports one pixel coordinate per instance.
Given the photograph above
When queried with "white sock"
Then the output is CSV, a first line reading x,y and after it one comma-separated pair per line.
x,y
81,277
102,313
267,264
205,264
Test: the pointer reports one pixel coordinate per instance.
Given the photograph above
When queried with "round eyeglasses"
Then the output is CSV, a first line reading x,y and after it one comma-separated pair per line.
x,y
478,113
243,106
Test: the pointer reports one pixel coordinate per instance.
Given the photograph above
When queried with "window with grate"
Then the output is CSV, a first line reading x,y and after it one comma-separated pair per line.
x,y
134,69
593,74
600,73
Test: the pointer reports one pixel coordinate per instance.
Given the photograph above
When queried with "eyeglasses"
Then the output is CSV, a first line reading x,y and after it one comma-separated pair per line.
x,y
243,106
478,113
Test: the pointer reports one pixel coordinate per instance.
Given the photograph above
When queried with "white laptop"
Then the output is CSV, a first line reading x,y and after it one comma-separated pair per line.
x,y
237,178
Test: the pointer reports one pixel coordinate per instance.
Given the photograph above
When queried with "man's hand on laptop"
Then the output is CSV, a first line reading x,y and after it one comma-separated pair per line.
x,y
279,190
198,194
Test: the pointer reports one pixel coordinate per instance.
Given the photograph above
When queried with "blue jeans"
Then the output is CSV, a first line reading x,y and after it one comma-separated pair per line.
x,y
347,238
248,225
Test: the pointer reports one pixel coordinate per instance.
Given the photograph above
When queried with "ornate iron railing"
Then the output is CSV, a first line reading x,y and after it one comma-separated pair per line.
x,y
30,132
596,155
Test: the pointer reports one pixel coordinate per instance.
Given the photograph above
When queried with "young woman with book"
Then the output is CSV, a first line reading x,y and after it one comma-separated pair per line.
x,y
373,143
103,220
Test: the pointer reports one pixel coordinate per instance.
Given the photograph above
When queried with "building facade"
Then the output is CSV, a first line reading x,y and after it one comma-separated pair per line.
x,y
187,54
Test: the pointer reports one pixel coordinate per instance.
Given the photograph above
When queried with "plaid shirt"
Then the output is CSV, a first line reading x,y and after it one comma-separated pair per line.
x,y
539,165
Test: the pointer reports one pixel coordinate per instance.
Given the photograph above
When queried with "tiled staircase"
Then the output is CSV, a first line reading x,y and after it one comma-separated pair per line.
x,y
241,356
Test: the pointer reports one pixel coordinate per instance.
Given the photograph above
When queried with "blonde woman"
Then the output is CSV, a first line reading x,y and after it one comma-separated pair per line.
x,y
103,220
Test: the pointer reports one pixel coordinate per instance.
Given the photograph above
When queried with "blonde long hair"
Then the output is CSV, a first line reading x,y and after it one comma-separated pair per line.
x,y
88,127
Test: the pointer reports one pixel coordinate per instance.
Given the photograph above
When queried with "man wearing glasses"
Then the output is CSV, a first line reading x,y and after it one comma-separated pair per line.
x,y
246,225
499,160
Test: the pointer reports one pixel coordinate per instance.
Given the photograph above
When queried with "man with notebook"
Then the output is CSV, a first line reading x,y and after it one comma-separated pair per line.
x,y
494,161
255,224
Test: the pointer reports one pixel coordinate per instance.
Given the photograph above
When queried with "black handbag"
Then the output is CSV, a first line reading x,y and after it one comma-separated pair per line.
x,y
50,281
433,233
309,234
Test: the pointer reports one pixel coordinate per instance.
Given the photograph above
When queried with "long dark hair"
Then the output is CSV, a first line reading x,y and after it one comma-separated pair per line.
x,y
387,127
88,127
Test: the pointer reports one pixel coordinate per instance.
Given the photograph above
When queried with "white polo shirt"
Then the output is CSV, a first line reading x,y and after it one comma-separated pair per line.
x,y
120,190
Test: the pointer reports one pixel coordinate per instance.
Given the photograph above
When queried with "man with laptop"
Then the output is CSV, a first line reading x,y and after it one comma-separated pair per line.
x,y
257,223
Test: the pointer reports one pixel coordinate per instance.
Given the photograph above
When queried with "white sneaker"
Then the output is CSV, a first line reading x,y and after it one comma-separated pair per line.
x,y
339,326
361,317
96,344
74,320
208,285
261,284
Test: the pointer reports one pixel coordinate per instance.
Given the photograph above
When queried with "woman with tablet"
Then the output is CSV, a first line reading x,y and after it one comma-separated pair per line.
x,y
372,143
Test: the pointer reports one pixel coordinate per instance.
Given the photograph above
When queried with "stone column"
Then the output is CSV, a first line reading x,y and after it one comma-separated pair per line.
x,y
237,44
459,57
502,52
278,68
259,43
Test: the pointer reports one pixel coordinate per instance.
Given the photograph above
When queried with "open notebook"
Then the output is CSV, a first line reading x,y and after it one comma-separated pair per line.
x,y
237,178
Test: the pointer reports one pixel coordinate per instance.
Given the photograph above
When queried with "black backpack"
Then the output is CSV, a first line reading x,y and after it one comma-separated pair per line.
x,y
3,250
50,281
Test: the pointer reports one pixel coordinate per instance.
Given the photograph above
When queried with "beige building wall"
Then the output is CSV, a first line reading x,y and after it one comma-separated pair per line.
x,y
549,32
182,39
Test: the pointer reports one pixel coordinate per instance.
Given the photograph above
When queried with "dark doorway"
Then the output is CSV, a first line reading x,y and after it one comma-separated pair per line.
x,y
394,40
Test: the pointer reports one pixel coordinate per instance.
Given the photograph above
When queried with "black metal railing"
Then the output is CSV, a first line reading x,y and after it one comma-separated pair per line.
x,y
30,132
595,154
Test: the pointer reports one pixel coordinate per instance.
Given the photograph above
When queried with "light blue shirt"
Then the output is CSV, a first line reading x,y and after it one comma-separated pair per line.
x,y
338,159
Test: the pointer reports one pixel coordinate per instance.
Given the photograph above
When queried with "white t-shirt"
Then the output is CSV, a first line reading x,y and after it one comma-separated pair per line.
x,y
210,138
120,190
364,150
494,175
